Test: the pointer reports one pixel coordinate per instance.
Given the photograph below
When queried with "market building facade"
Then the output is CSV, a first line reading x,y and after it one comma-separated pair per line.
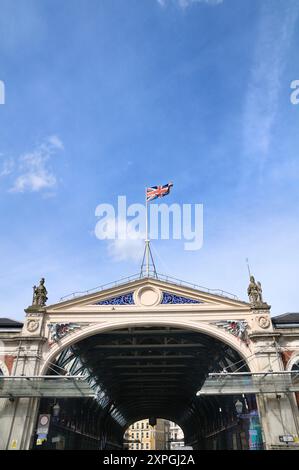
x,y
80,372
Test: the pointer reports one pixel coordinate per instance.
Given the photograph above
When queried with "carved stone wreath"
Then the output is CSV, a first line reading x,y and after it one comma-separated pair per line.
x,y
263,321
32,325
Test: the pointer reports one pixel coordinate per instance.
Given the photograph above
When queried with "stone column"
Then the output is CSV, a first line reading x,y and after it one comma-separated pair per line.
x,y
278,415
19,414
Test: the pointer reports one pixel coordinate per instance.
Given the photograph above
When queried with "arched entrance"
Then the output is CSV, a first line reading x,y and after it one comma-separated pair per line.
x,y
147,370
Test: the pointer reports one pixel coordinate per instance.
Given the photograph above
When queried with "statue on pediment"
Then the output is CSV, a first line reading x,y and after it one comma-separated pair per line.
x,y
260,291
40,294
253,291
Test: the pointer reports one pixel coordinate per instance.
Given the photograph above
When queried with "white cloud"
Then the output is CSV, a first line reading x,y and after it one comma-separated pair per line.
x,y
274,34
33,181
55,141
34,172
7,167
187,3
123,247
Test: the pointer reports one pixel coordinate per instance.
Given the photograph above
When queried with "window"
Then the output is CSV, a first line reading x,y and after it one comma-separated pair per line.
x,y
147,434
147,445
142,425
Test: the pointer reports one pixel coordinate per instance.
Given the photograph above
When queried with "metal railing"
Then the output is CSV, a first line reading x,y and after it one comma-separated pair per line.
x,y
135,277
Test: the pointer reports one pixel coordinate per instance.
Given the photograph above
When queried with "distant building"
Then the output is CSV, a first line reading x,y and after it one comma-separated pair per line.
x,y
142,436
176,436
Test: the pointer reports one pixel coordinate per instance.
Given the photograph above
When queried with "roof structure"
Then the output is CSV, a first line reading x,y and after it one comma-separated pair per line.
x,y
9,323
286,320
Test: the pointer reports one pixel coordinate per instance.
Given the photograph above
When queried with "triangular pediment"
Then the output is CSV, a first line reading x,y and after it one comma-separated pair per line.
x,y
148,293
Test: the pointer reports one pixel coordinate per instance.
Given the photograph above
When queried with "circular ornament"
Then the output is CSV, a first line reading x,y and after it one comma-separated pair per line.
x,y
264,322
148,296
32,325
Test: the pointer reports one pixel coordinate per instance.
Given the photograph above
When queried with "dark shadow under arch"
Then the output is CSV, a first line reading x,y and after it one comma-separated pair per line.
x,y
151,371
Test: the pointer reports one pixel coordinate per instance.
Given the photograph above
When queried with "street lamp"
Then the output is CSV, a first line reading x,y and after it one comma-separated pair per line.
x,y
56,410
239,407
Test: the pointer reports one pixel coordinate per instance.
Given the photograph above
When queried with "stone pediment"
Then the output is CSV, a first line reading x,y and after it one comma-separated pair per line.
x,y
148,293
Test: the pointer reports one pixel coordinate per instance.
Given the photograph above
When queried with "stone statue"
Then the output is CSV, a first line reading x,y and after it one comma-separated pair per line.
x,y
253,291
40,294
260,291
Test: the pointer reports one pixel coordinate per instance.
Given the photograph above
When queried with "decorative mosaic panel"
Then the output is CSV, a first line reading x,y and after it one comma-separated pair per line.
x,y
178,299
237,328
59,330
126,299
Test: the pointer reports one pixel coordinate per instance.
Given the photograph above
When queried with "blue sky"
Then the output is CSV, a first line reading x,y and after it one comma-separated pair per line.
x,y
106,96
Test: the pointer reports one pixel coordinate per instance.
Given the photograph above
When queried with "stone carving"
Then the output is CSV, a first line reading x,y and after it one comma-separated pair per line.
x,y
32,325
40,294
237,328
263,321
59,330
260,291
255,292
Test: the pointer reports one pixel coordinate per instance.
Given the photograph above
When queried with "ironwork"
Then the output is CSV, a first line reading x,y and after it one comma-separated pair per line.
x,y
169,298
125,299
159,276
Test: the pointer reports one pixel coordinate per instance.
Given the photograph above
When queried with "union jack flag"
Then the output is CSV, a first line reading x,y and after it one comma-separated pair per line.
x,y
158,191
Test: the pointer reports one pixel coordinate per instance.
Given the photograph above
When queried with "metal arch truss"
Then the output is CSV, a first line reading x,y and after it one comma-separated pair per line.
x,y
69,362
134,373
153,371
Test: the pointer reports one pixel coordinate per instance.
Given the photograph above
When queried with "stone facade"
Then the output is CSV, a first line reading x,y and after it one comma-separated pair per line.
x,y
245,327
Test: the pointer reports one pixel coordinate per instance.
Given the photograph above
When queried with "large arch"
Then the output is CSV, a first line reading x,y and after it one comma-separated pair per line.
x,y
244,350
195,416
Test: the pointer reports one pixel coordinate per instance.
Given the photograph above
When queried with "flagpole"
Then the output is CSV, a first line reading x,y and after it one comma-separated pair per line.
x,y
146,232
247,262
150,194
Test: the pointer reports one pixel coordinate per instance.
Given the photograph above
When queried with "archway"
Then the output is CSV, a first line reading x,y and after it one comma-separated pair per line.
x,y
148,371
